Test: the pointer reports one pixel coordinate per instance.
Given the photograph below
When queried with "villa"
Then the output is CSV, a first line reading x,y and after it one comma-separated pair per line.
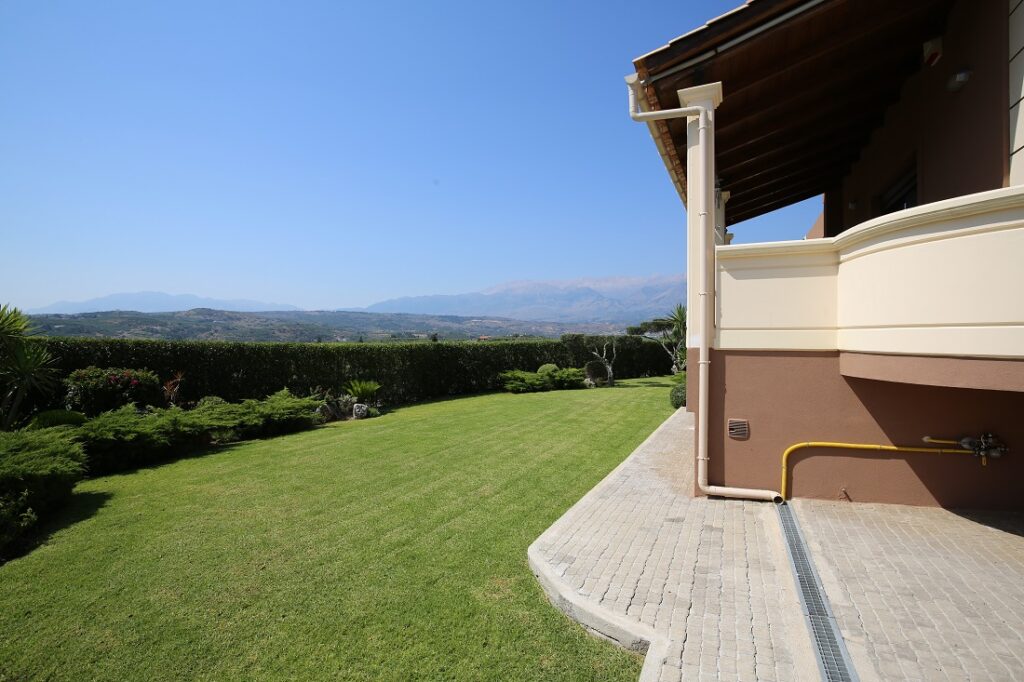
x,y
899,319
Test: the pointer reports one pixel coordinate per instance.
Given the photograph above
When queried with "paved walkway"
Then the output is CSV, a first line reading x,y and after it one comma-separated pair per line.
x,y
922,593
705,584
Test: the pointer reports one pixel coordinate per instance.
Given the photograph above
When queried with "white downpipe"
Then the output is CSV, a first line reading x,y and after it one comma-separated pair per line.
x,y
705,293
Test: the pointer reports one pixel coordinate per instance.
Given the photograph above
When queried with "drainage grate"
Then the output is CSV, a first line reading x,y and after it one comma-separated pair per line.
x,y
833,659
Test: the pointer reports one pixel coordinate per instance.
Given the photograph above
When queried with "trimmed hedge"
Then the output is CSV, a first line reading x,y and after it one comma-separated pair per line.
x,y
38,469
127,438
408,372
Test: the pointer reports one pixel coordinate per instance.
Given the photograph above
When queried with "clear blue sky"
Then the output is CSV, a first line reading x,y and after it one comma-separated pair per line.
x,y
330,154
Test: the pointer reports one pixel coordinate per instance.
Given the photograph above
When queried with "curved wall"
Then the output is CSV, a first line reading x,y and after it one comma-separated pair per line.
x,y
944,279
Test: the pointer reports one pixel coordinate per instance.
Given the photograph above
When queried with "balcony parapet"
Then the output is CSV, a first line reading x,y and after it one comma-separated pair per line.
x,y
945,278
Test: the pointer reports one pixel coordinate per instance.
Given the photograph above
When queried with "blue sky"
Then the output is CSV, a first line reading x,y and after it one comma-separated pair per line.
x,y
331,154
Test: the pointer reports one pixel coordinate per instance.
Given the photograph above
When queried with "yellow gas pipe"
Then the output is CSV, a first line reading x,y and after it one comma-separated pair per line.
x,y
867,446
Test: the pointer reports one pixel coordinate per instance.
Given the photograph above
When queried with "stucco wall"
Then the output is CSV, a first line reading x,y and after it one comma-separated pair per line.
x,y
939,279
956,140
790,397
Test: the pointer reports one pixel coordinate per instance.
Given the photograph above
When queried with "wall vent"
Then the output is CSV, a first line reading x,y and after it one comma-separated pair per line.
x,y
739,429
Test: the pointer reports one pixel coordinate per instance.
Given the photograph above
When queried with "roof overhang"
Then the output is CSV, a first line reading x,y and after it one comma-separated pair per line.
x,y
806,82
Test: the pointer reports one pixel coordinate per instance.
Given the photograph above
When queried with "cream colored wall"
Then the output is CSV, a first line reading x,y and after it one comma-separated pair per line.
x,y
784,298
941,279
1016,71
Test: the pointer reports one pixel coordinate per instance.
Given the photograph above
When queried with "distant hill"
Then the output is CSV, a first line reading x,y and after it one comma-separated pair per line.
x,y
157,302
600,300
220,325
619,300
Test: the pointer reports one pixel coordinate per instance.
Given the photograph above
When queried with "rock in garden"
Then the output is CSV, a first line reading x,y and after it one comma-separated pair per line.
x,y
360,411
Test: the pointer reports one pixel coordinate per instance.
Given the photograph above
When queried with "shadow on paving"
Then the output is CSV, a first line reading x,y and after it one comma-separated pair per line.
x,y
1011,522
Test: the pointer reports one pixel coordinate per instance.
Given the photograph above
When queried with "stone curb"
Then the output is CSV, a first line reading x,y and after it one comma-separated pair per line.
x,y
629,634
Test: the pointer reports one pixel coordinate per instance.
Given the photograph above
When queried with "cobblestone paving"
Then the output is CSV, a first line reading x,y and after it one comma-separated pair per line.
x,y
709,576
922,593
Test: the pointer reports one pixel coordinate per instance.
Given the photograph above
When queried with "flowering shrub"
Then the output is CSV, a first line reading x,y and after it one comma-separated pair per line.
x,y
99,389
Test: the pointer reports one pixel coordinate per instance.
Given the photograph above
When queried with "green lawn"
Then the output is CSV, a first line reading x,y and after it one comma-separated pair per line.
x,y
392,548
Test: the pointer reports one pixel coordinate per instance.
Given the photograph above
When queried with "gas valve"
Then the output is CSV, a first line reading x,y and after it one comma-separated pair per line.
x,y
986,445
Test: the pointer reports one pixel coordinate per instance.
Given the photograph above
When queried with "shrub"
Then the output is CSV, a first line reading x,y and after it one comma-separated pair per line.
x,y
284,413
678,394
38,469
128,438
595,370
547,368
409,371
566,378
518,381
362,390
209,400
49,418
98,389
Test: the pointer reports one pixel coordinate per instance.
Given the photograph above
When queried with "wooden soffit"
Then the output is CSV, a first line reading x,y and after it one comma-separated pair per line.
x,y
805,83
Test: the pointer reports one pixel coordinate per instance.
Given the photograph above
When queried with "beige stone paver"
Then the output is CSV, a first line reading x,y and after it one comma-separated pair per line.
x,y
922,593
708,579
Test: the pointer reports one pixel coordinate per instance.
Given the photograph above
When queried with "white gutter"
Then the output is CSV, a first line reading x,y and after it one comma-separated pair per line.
x,y
706,225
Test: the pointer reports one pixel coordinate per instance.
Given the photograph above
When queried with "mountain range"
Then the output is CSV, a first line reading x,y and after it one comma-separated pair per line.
x,y
155,302
619,300
607,300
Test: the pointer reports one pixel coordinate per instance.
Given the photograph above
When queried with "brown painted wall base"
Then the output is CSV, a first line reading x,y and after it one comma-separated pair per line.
x,y
791,397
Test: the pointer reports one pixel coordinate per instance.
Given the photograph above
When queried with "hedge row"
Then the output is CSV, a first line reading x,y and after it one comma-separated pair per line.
x,y
408,372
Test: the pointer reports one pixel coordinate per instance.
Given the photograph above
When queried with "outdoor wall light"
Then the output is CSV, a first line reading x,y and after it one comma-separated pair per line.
x,y
958,80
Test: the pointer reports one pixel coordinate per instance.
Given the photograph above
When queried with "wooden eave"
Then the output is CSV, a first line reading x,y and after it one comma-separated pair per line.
x,y
805,84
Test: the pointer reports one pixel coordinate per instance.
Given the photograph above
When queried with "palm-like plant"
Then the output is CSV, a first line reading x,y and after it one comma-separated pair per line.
x,y
14,327
24,367
362,390
673,336
27,368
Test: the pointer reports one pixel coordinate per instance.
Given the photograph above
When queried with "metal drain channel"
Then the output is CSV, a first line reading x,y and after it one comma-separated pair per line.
x,y
833,658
